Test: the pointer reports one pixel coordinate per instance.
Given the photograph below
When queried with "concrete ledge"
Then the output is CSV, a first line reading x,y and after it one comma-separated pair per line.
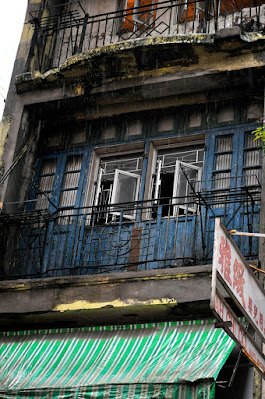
x,y
95,279
113,49
102,298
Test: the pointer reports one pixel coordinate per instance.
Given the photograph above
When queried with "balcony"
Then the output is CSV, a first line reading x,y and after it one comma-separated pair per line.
x,y
138,236
61,32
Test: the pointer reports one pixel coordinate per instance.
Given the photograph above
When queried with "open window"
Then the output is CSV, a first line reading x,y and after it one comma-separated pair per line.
x,y
186,185
116,188
176,180
125,190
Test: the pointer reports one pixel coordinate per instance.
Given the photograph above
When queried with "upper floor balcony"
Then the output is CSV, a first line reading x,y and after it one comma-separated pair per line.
x,y
133,206
131,236
65,29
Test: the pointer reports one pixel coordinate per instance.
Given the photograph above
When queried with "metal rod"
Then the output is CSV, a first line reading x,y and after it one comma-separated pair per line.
x,y
235,370
241,233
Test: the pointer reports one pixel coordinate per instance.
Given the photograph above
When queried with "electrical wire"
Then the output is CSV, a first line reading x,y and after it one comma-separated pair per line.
x,y
19,156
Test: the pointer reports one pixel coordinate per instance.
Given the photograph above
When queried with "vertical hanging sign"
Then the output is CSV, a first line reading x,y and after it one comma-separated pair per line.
x,y
233,272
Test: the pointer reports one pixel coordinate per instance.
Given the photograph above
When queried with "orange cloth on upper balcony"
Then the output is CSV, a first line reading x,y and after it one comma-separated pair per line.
x,y
189,12
192,12
144,14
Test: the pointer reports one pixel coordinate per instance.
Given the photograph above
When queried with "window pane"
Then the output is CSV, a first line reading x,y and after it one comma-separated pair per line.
x,y
192,156
252,177
178,186
70,180
105,193
104,185
126,188
223,161
128,165
252,158
251,142
48,166
185,185
224,144
222,180
67,198
42,201
46,183
73,163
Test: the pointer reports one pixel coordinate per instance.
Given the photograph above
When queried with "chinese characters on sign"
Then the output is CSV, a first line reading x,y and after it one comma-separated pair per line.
x,y
225,260
238,333
240,281
230,268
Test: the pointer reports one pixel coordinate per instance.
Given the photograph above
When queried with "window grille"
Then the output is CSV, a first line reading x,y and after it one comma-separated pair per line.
x,y
46,181
223,162
236,165
252,160
69,187
70,181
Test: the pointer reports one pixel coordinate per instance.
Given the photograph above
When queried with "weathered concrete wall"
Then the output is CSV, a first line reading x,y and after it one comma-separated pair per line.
x,y
9,127
141,83
126,78
147,59
149,295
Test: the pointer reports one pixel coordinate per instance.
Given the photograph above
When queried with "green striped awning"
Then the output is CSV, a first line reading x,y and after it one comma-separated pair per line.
x,y
163,360
115,391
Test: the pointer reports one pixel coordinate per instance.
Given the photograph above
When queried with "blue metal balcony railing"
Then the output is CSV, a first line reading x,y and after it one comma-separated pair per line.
x,y
66,29
162,233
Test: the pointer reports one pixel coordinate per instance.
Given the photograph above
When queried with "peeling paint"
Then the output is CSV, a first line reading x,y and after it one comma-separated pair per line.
x,y
78,90
132,44
257,385
205,57
85,305
81,61
252,36
26,37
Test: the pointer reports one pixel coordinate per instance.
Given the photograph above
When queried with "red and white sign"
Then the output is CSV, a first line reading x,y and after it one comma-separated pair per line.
x,y
230,267
238,333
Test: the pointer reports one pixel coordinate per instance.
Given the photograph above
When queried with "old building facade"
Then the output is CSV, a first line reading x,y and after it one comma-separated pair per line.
x,y
127,131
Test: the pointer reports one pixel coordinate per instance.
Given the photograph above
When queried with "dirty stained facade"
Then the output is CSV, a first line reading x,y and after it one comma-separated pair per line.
x,y
126,132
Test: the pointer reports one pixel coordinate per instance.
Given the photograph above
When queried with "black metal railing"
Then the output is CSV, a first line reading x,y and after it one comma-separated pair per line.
x,y
163,233
67,30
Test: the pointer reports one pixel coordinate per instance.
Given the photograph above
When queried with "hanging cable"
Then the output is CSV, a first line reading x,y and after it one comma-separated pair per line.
x,y
20,155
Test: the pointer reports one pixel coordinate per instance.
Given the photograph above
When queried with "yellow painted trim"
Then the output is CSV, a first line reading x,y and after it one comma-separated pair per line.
x,y
85,305
4,129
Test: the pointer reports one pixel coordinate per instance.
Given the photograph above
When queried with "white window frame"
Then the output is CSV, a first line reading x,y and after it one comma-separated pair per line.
x,y
115,192
171,143
177,182
92,189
